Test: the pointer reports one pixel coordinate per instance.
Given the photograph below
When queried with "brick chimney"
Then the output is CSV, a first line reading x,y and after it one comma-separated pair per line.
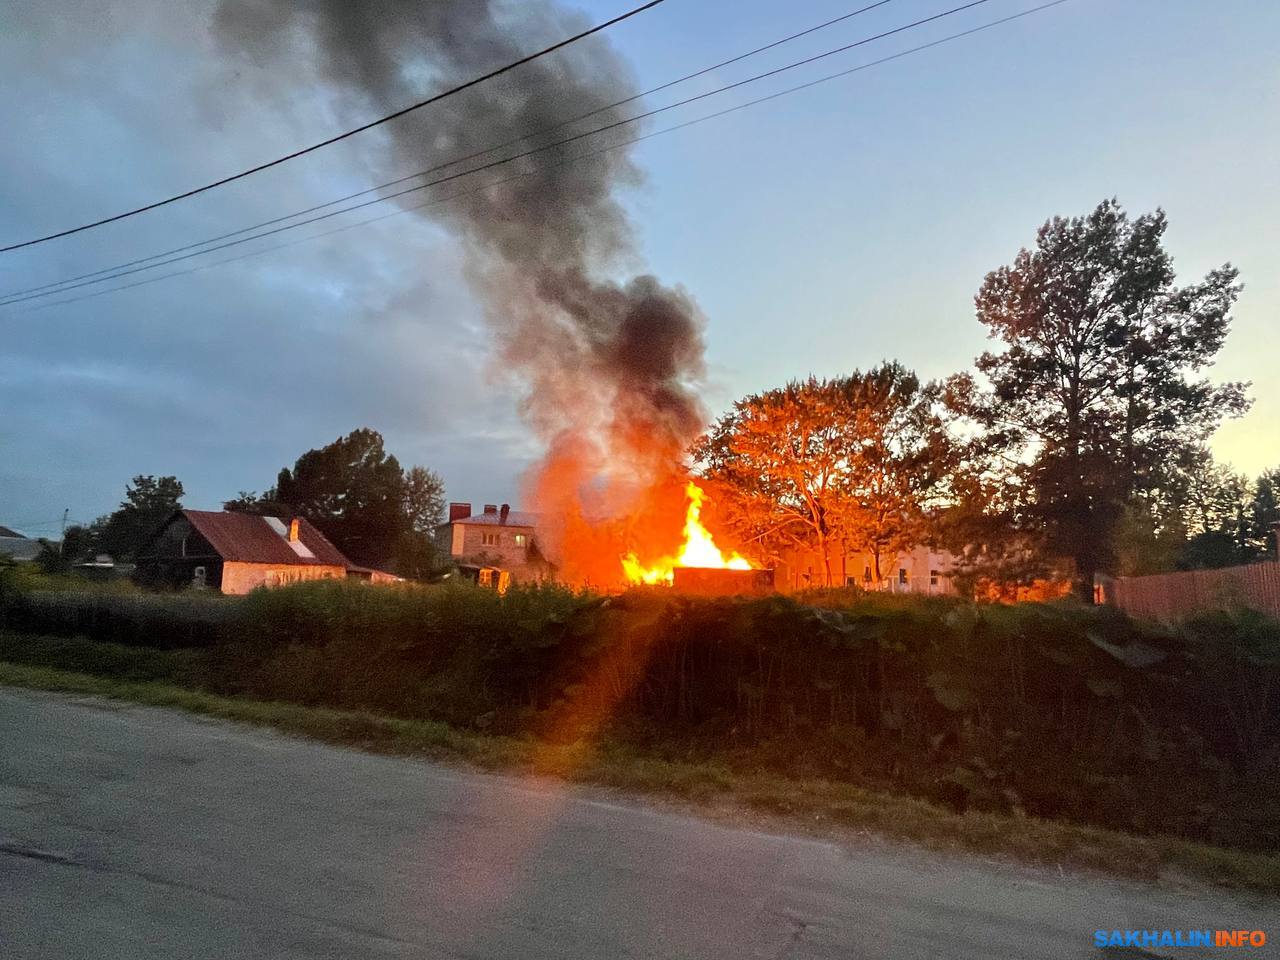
x,y
293,530
490,508
459,511
504,513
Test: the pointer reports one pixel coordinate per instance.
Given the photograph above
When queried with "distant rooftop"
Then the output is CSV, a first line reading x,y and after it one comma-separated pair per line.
x,y
19,548
490,515
248,538
516,518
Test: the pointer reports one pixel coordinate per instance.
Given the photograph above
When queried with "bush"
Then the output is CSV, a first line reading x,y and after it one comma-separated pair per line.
x,y
1056,710
130,618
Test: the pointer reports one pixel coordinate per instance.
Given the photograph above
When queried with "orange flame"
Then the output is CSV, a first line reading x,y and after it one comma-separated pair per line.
x,y
698,550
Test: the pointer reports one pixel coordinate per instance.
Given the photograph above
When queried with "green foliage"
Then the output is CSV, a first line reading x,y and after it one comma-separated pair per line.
x,y
60,558
1098,391
114,613
858,460
148,502
97,658
1264,514
1051,710
374,511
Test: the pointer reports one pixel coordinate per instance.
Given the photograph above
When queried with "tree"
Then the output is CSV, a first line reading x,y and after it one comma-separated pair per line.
x,y
986,528
1263,515
268,504
423,499
148,502
856,460
56,558
900,458
779,459
1214,502
1097,389
354,491
360,498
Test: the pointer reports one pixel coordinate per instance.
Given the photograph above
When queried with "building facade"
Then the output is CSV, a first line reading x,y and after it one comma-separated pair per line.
x,y
238,552
497,537
923,570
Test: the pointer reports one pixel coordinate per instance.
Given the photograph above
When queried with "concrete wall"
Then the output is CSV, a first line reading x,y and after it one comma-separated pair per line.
x,y
243,577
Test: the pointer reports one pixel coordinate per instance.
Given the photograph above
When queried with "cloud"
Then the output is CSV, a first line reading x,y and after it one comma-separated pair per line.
x,y
225,375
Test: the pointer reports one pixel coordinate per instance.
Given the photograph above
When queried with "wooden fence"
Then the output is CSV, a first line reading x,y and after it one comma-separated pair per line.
x,y
1174,596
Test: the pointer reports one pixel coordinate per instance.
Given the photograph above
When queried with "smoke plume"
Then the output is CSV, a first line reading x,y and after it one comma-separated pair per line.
x,y
608,368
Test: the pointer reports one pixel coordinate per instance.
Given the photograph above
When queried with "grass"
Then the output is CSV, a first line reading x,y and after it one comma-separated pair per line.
x,y
811,804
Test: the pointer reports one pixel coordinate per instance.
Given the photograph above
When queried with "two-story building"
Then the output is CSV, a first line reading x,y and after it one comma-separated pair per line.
x,y
496,537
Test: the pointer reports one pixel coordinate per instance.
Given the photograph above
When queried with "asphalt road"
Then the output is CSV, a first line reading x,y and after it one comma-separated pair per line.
x,y
131,833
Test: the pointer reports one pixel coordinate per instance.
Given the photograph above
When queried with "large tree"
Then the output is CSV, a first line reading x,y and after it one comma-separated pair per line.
x,y
900,460
359,496
855,462
354,491
148,501
1099,384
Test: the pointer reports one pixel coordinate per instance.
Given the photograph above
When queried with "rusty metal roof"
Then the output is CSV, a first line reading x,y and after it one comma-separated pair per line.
x,y
248,538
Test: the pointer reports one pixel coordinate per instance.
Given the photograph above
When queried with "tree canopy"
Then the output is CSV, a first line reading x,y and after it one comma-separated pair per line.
x,y
360,497
1098,391
857,461
148,502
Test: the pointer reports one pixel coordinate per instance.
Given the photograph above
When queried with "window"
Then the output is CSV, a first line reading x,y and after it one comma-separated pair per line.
x,y
521,539
902,574
933,578
866,574
489,539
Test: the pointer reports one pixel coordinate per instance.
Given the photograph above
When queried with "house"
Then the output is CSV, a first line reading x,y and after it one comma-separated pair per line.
x,y
17,547
922,569
496,538
236,552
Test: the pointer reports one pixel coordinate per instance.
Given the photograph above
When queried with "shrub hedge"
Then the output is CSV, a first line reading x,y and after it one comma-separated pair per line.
x,y
1056,710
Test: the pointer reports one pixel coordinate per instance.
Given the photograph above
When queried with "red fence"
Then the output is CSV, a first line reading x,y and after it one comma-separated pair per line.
x,y
1173,596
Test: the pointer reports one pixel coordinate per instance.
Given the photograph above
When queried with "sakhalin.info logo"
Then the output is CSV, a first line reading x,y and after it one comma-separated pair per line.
x,y
1179,938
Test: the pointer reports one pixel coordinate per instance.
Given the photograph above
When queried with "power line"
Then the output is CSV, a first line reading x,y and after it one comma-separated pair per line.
x,y
342,136
64,283
14,299
488,186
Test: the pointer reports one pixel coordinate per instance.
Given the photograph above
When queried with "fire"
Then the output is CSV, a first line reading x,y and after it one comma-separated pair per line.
x,y
698,550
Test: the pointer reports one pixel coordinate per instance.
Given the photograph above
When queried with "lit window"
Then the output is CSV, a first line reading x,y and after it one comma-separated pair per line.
x,y
520,539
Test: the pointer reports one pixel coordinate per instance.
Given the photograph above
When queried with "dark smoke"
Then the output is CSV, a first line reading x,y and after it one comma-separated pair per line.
x,y
609,368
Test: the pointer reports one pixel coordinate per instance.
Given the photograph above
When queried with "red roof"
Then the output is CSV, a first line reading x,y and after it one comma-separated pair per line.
x,y
248,538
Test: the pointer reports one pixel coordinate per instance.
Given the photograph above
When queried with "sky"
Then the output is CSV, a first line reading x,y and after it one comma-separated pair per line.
x,y
820,232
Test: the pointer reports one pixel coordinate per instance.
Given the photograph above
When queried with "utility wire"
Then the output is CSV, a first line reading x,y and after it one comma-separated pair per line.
x,y
342,136
7,297
500,162
488,186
